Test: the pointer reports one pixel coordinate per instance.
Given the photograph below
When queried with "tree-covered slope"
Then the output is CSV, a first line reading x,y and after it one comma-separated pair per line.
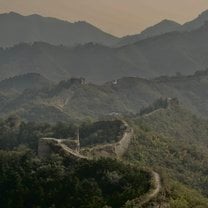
x,y
28,181
175,141
76,99
61,182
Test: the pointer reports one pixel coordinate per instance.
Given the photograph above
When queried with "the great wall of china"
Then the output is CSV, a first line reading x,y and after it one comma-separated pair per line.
x,y
116,150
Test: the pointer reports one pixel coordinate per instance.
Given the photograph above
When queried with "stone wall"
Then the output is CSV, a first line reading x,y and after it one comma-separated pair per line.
x,y
122,146
116,150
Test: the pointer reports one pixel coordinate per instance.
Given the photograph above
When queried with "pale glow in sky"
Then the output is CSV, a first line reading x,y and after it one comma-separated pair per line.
x,y
118,17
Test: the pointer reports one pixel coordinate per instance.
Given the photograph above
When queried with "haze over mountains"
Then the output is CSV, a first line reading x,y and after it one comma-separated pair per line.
x,y
162,52
75,99
168,54
16,28
165,26
178,52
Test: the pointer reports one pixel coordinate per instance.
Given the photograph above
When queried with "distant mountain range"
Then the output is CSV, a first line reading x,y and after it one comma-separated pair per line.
x,y
164,49
196,23
16,28
167,54
163,27
75,98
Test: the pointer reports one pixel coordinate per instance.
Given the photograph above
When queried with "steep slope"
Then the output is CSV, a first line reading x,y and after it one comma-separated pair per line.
x,y
16,28
162,27
175,141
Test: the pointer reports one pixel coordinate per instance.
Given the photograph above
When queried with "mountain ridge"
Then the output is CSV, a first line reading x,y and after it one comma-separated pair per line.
x,y
165,26
159,29
76,98
17,28
167,54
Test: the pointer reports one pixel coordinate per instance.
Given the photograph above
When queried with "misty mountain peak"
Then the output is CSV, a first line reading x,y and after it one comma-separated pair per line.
x,y
9,15
164,26
13,14
168,22
204,14
81,23
196,23
16,28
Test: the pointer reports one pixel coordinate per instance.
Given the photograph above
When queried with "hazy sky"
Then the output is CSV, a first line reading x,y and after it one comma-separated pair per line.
x,y
119,17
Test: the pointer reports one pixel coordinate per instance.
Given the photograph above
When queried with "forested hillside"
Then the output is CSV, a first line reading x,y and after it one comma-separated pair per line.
x,y
175,141
30,180
76,99
86,184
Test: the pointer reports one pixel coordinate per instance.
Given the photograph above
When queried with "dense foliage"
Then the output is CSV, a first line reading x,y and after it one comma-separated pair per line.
x,y
13,132
101,132
176,141
72,101
177,195
27,181
164,141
